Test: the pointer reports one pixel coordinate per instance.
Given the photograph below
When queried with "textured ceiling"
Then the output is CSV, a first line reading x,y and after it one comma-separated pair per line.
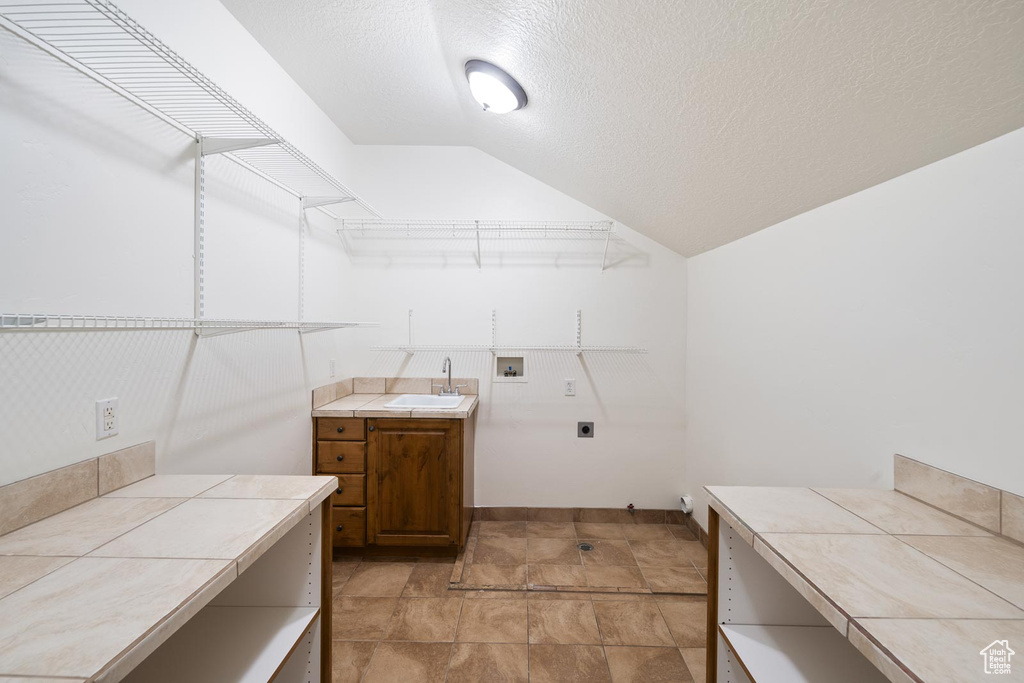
x,y
695,123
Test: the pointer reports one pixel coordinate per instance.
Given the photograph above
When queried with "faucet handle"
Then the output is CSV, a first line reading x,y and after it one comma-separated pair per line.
x,y
457,387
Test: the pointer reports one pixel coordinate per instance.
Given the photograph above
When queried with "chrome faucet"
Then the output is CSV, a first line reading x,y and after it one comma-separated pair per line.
x,y
448,390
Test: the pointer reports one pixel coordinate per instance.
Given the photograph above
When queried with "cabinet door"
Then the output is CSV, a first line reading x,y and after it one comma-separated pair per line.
x,y
413,482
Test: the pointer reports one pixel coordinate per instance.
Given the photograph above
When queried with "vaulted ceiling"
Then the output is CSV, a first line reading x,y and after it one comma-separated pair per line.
x,y
696,123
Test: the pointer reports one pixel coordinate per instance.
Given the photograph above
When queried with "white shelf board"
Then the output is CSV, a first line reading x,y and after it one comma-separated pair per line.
x,y
228,645
797,654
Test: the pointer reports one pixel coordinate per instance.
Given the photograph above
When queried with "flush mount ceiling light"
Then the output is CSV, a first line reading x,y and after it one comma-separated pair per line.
x,y
494,89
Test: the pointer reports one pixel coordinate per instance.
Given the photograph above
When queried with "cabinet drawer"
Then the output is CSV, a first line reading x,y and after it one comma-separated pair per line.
x,y
340,457
349,526
351,490
340,428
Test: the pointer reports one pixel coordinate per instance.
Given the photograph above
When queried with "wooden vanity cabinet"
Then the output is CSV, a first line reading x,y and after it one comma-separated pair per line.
x,y
401,481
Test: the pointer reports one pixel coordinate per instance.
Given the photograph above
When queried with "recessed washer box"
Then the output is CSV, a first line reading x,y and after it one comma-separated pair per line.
x,y
509,369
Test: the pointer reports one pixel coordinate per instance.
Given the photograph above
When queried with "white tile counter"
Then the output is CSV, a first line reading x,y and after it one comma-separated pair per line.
x,y
916,592
89,593
372,405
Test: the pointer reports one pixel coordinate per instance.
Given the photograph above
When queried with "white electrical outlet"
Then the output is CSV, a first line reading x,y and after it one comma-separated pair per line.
x,y
106,418
332,367
570,387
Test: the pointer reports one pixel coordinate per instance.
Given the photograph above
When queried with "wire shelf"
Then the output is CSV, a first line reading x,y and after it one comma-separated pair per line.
x,y
469,228
501,349
482,232
40,322
494,347
100,40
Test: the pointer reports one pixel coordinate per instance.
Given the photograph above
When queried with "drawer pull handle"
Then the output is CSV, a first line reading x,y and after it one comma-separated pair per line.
x,y
340,458
341,429
371,428
340,527
339,490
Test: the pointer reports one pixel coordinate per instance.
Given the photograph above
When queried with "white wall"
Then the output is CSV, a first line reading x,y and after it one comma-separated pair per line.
x,y
527,449
888,321
98,220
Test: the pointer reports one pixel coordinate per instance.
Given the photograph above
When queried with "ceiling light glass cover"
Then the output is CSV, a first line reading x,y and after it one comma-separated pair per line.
x,y
494,89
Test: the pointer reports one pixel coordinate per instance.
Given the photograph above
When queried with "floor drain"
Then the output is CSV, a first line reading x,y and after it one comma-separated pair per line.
x,y
585,546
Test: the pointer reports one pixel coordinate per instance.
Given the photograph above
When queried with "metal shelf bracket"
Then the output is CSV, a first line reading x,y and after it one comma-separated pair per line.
x,y
313,202
221,145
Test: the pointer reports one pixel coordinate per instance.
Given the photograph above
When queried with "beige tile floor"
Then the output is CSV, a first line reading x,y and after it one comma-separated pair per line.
x,y
397,620
639,558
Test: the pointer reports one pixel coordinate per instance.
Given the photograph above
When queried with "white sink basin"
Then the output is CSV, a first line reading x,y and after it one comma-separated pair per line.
x,y
424,401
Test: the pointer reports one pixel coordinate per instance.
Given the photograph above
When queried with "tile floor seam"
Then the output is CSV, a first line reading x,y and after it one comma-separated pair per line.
x,y
662,614
362,676
455,637
607,664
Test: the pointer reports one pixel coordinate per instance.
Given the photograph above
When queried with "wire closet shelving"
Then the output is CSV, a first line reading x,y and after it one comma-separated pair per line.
x,y
481,231
40,322
103,42
579,348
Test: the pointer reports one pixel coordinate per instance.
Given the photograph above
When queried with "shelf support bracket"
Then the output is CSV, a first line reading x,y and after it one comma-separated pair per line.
x,y
579,332
479,261
604,256
198,235
313,202
223,145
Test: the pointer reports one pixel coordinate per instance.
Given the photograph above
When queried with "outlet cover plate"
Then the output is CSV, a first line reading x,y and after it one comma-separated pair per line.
x,y
570,387
585,430
106,418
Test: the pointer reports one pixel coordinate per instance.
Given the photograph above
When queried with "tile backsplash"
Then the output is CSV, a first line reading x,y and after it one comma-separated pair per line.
x,y
30,500
390,385
984,505
1013,516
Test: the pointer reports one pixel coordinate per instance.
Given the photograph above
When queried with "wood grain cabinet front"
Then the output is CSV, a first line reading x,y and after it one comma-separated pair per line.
x,y
349,526
340,457
340,429
351,490
413,480
401,481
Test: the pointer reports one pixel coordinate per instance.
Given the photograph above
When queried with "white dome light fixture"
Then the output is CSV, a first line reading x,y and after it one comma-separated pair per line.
x,y
494,89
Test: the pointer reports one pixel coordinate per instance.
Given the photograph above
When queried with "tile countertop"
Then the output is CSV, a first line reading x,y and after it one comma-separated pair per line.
x,y
917,591
88,593
372,405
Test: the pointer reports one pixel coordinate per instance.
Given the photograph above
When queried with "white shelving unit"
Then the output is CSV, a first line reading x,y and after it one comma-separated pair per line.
x,y
482,231
796,654
238,644
36,322
100,40
264,626
578,348
768,632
